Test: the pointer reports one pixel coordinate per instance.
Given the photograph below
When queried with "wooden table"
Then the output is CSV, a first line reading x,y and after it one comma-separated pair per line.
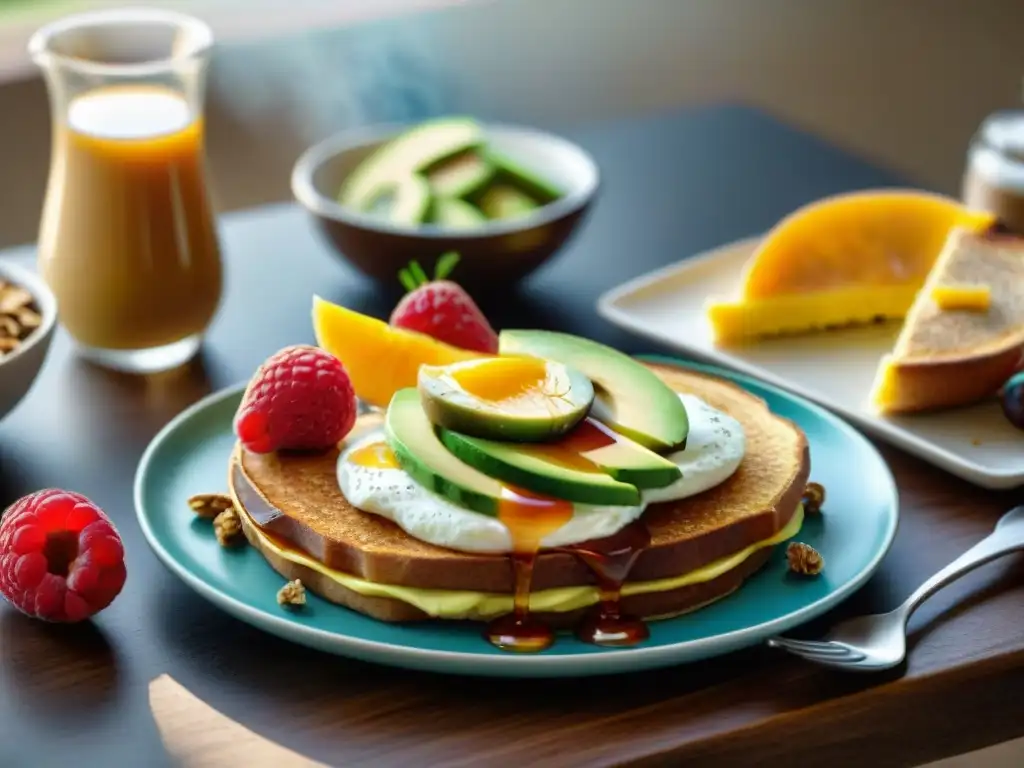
x,y
690,180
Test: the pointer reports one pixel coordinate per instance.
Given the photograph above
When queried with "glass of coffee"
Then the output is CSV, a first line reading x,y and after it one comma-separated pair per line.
x,y
127,239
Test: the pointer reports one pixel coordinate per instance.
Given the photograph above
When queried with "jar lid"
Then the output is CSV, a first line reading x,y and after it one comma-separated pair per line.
x,y
1004,132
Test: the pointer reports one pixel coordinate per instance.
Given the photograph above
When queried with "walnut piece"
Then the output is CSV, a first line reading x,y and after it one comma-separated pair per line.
x,y
209,504
228,528
813,498
292,594
804,559
28,318
13,298
19,316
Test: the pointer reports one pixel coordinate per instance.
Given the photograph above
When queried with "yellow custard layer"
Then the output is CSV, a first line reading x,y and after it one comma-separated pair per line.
x,y
464,604
749,319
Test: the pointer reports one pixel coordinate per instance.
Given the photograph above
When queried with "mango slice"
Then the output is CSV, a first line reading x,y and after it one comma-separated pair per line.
x,y
379,359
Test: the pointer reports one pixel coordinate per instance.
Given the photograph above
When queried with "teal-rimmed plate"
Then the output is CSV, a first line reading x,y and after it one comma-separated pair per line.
x,y
190,456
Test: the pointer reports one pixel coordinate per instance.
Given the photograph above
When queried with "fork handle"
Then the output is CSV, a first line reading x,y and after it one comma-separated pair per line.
x,y
1007,537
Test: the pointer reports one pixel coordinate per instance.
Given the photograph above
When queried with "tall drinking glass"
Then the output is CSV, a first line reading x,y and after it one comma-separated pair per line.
x,y
127,239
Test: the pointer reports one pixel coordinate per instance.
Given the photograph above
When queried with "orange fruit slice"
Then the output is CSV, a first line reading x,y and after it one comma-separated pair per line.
x,y
847,259
379,359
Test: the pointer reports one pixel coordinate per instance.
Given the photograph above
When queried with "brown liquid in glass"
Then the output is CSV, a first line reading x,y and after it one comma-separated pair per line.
x,y
127,240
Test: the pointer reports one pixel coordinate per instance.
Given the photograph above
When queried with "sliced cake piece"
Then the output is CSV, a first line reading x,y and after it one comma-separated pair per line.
x,y
964,335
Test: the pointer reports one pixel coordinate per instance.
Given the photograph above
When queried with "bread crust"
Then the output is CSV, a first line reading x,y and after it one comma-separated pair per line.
x,y
924,386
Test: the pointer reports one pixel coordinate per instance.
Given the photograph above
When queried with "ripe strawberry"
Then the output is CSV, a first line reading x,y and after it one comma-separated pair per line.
x,y
300,399
61,559
442,309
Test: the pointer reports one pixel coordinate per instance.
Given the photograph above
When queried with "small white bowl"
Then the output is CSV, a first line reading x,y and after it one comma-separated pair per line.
x,y
19,369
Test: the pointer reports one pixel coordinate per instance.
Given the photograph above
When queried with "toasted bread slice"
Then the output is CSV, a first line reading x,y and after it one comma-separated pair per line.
x,y
949,357
751,506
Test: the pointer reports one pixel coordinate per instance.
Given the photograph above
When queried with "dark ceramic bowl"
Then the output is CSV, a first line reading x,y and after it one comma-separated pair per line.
x,y
493,254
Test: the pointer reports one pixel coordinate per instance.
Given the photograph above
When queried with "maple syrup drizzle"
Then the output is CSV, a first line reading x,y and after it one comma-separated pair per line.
x,y
529,517
610,560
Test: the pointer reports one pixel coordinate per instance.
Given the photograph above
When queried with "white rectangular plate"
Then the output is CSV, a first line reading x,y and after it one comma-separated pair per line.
x,y
834,368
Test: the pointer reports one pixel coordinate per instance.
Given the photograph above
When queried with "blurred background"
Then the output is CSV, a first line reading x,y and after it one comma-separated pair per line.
x,y
902,83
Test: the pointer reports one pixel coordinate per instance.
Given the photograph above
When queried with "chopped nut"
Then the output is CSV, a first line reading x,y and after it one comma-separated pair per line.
x,y
28,318
228,528
804,559
813,498
292,594
209,504
9,327
13,298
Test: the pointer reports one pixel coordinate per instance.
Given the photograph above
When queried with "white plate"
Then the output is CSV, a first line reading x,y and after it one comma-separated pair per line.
x,y
836,368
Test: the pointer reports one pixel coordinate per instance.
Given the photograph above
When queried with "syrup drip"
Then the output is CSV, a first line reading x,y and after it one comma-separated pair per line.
x,y
610,560
529,518
519,632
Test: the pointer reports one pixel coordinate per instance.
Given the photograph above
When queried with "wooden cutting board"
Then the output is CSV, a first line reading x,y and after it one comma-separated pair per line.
x,y
198,736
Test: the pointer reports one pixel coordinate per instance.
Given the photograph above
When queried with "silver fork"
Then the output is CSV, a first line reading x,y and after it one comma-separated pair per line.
x,y
873,643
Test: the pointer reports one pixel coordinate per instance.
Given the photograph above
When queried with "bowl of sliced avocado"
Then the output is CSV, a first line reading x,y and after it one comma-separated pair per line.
x,y
505,197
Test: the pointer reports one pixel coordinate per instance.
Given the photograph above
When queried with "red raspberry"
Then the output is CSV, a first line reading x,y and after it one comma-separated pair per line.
x,y
300,399
61,558
442,309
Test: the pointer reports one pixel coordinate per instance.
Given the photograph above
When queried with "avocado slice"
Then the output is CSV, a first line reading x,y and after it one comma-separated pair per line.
x,y
539,472
629,397
452,213
461,176
513,398
533,184
503,201
406,201
413,151
411,436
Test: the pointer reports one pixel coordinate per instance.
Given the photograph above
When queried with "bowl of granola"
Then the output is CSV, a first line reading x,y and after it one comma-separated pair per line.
x,y
28,316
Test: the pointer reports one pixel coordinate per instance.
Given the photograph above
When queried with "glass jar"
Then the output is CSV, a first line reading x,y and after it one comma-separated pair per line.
x,y
994,177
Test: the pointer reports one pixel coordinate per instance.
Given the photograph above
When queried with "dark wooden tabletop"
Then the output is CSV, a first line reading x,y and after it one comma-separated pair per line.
x,y
684,182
